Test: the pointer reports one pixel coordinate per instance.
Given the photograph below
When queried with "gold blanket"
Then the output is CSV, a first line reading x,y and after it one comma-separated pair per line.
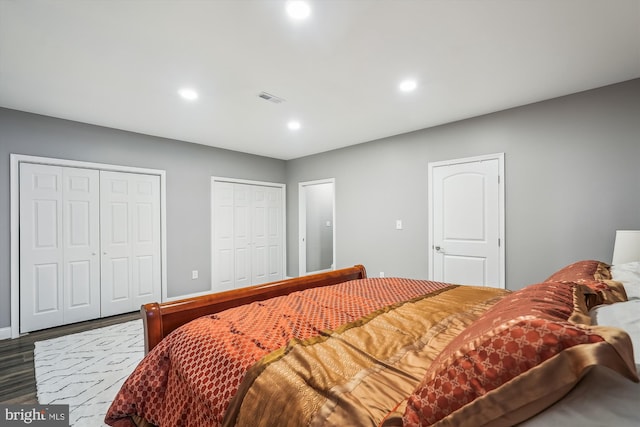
x,y
362,373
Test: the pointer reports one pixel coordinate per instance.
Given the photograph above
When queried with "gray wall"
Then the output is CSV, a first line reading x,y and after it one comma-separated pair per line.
x,y
189,168
572,179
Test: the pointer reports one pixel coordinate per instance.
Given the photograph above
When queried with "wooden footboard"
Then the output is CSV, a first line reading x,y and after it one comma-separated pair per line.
x,y
160,319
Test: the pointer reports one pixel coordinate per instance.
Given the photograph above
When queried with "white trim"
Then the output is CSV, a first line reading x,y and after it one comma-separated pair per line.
x,y
5,333
302,225
248,182
283,187
15,160
501,207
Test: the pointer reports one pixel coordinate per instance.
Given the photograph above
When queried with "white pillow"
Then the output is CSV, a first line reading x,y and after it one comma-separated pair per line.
x,y
629,275
623,315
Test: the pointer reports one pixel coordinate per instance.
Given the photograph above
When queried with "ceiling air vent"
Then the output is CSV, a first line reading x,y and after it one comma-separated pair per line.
x,y
271,98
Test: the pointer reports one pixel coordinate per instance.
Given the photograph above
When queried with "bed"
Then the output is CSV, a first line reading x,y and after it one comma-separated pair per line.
x,y
342,349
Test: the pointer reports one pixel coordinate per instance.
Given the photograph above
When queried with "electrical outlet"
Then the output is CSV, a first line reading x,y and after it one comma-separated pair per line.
x,y
382,274
194,274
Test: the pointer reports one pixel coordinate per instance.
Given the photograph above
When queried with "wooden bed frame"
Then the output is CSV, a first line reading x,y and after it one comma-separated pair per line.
x,y
160,319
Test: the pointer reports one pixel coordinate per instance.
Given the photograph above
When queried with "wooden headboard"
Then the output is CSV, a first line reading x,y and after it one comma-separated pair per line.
x,y
161,318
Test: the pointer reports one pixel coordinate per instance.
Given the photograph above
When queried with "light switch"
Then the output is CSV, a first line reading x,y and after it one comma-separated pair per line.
x,y
398,224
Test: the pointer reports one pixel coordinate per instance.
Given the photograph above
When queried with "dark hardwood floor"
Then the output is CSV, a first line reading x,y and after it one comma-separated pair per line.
x,y
17,372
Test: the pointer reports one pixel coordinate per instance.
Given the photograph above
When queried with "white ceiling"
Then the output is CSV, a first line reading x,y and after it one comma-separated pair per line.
x,y
120,63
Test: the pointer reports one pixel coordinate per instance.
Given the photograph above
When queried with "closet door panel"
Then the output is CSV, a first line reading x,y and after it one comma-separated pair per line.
x,y
118,288
130,222
274,234
79,291
115,231
145,250
144,272
223,264
259,246
247,234
81,244
90,244
41,257
242,234
46,293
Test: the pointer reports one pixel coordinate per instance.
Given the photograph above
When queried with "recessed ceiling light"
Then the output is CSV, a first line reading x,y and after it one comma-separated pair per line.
x,y
298,9
294,125
408,85
188,94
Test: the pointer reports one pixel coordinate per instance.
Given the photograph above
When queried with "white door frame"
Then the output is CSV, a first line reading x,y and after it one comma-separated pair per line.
x,y
15,160
215,179
501,207
302,225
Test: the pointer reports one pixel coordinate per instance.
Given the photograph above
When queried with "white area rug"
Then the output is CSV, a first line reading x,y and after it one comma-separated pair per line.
x,y
86,370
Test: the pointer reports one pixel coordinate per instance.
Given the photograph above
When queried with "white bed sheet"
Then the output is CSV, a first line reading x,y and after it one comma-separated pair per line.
x,y
629,275
623,315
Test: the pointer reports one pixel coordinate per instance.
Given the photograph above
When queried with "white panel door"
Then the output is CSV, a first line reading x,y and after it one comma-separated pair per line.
x,y
222,233
130,241
274,235
81,244
145,238
466,215
247,234
242,235
266,234
259,241
116,272
59,245
41,255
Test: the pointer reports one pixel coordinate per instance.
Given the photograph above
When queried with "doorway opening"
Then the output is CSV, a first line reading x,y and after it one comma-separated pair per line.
x,y
316,226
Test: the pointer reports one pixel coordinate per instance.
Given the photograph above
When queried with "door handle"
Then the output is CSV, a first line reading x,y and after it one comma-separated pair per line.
x,y
438,249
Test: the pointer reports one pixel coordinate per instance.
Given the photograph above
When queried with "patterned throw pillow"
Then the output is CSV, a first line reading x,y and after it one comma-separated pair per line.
x,y
597,276
582,270
521,356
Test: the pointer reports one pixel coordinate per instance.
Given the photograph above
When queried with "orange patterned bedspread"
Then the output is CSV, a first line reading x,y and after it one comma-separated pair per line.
x,y
192,376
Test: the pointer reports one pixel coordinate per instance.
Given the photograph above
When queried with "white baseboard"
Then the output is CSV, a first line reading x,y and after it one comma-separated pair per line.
x,y
5,333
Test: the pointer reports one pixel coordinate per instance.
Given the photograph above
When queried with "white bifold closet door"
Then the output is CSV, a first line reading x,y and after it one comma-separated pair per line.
x,y
59,246
130,236
247,235
89,244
